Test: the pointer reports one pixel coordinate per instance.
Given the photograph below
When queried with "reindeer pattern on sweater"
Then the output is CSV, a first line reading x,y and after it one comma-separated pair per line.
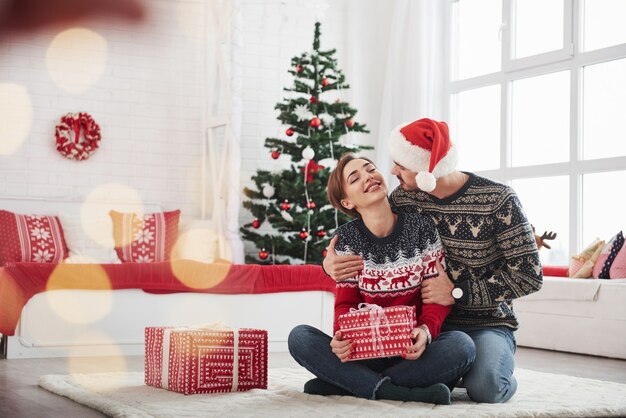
x,y
490,248
394,267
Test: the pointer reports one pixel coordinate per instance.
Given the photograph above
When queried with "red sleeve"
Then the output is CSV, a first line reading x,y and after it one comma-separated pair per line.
x,y
347,296
433,314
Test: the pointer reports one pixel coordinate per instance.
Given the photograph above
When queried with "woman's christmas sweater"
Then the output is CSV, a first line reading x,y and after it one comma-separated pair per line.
x,y
394,267
491,252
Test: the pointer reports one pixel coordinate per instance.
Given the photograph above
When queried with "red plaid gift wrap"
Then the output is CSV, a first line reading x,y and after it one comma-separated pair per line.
x,y
202,360
376,331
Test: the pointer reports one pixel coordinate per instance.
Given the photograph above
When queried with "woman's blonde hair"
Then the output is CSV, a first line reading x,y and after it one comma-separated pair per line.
x,y
335,190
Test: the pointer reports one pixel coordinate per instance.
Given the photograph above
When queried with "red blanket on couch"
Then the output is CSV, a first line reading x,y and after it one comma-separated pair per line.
x,y
21,281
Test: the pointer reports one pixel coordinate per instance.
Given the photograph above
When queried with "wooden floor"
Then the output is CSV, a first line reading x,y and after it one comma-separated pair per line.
x,y
21,397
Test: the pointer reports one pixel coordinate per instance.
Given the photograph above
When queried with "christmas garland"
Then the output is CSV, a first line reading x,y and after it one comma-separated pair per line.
x,y
77,150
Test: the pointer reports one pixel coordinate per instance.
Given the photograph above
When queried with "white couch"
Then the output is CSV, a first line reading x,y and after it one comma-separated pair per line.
x,y
64,323
67,323
584,316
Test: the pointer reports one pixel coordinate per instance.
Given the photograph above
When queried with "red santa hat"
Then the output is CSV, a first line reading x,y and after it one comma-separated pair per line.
x,y
424,147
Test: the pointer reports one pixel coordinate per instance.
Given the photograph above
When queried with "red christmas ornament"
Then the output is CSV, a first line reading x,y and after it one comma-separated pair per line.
x,y
311,204
263,254
256,224
349,123
324,82
313,99
324,252
315,122
275,154
321,232
311,168
285,205
298,68
289,132
303,234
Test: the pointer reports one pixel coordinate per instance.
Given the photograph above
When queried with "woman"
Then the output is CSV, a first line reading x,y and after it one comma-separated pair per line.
x,y
403,247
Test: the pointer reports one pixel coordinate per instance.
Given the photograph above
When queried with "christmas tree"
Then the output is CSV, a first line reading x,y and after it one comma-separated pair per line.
x,y
293,201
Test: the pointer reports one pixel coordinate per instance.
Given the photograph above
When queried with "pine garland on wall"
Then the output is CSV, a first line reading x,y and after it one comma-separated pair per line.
x,y
318,126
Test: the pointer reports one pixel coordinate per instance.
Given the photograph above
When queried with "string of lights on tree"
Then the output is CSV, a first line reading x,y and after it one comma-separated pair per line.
x,y
291,204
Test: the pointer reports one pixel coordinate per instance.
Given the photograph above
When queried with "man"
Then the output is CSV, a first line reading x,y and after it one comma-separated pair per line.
x,y
491,253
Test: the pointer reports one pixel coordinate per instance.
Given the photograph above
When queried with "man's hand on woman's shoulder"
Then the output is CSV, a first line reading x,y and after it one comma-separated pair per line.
x,y
341,267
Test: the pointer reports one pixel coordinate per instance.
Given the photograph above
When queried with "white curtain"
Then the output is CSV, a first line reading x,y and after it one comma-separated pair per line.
x,y
415,70
236,110
223,126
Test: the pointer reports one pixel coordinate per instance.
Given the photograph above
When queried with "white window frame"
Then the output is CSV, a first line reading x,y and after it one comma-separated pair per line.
x,y
572,58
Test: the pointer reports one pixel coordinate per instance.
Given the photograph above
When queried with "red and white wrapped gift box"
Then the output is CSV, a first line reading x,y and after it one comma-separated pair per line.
x,y
376,331
203,360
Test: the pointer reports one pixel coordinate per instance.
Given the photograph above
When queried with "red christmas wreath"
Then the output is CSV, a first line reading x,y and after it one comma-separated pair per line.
x,y
77,149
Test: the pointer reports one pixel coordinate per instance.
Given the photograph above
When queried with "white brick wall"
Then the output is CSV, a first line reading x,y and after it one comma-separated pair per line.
x,y
148,103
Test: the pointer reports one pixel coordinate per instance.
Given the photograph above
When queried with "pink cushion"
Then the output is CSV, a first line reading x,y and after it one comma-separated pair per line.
x,y
147,238
30,238
602,266
618,268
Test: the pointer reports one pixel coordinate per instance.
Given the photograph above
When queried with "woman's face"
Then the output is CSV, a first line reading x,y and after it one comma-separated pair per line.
x,y
363,184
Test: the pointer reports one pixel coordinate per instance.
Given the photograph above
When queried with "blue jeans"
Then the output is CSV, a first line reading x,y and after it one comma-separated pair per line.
x,y
445,360
490,379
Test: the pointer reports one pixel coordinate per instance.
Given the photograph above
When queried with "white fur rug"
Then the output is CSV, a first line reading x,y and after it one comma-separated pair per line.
x,y
538,395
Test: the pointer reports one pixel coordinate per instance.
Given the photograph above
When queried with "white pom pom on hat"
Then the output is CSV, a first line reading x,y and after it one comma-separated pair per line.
x,y
426,181
424,147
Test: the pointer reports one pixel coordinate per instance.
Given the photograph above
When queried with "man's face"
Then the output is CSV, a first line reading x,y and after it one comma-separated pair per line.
x,y
405,176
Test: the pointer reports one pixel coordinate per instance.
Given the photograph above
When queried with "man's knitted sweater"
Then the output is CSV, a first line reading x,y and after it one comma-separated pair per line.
x,y
491,252
394,267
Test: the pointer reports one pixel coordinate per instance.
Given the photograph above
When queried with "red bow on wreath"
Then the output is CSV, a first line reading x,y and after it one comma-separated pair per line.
x,y
311,168
76,149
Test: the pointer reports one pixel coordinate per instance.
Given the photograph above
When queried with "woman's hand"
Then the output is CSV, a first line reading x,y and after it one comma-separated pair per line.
x,y
341,348
341,267
438,289
413,352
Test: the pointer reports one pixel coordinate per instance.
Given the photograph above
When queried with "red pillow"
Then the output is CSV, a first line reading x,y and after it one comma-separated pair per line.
x,y
555,271
146,238
31,238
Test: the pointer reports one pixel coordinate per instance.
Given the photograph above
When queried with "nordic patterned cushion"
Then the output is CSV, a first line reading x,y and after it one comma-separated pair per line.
x,y
145,238
608,254
618,268
30,238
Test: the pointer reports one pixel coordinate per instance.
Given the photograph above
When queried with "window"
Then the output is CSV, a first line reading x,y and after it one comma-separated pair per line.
x,y
545,212
603,23
604,93
600,208
540,119
536,33
539,104
480,148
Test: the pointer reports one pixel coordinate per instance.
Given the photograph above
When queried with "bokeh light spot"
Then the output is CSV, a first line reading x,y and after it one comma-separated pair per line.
x,y
94,212
71,278
196,275
76,59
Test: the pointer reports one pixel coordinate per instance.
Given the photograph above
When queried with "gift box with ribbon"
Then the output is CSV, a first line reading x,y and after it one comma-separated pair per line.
x,y
206,359
376,331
